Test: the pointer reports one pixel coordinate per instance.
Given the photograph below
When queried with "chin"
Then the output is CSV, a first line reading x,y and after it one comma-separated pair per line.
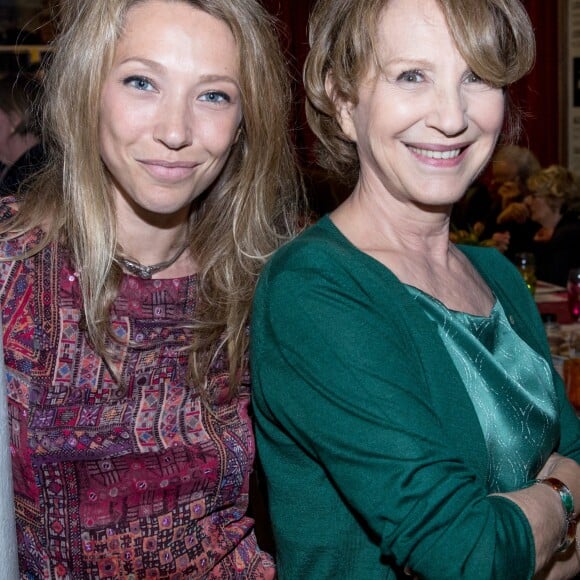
x,y
439,199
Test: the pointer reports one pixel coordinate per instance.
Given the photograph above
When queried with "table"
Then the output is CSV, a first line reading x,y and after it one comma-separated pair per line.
x,y
552,299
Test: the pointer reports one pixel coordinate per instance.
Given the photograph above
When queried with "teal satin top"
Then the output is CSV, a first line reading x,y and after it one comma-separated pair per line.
x,y
510,386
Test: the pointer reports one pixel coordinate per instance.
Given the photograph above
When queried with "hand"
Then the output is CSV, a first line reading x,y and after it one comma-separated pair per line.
x,y
499,240
514,212
564,565
544,234
566,470
549,466
508,191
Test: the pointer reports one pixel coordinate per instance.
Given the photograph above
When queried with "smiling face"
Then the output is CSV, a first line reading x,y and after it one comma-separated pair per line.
x,y
170,109
425,125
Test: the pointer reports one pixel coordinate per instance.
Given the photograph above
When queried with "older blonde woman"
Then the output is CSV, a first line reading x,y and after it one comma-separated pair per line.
x,y
554,203
409,418
125,285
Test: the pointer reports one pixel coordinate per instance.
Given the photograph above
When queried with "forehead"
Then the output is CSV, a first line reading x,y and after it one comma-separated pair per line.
x,y
408,25
163,27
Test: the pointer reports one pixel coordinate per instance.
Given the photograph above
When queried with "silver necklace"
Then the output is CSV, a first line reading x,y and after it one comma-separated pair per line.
x,y
146,272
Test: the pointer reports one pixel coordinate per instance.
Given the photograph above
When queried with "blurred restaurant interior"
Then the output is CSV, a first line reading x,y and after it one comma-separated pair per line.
x,y
548,97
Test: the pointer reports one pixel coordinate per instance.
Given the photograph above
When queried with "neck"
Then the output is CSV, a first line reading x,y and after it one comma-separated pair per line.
x,y
147,271
394,227
149,243
147,250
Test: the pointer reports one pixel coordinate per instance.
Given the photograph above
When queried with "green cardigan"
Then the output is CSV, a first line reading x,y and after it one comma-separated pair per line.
x,y
372,451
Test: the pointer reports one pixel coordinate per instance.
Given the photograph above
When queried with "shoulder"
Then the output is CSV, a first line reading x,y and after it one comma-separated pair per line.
x,y
11,245
322,266
490,262
319,239
322,252
298,265
8,209
321,275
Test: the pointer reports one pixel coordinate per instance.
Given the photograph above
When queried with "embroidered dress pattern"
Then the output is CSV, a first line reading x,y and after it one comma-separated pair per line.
x,y
134,481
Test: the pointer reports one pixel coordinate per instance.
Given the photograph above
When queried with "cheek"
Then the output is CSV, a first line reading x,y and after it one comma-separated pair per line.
x,y
545,208
119,120
120,127
217,135
491,112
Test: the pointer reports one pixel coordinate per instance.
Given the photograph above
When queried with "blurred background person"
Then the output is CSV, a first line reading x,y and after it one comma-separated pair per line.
x,y
21,150
490,200
554,204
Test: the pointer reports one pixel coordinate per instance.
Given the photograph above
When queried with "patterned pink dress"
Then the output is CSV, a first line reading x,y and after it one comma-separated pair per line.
x,y
136,482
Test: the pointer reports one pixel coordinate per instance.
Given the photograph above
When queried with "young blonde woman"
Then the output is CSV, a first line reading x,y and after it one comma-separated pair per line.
x,y
125,285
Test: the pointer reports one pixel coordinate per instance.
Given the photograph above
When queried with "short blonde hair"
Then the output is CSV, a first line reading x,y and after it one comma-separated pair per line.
x,y
557,185
495,38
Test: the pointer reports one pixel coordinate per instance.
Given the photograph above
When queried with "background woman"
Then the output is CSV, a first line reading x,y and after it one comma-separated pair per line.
x,y
554,203
405,398
125,287
21,149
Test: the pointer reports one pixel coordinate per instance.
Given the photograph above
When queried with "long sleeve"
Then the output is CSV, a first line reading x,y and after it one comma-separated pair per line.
x,y
357,400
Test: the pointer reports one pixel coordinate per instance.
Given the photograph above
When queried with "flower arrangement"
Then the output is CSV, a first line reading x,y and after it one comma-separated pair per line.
x,y
470,237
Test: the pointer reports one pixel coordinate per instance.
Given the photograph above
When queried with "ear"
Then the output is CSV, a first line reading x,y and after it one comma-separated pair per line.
x,y
344,109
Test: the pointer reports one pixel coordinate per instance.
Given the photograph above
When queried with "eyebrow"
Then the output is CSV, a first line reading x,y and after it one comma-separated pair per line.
x,y
209,78
410,61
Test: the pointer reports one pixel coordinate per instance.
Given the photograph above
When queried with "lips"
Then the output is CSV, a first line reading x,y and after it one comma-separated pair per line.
x,y
168,170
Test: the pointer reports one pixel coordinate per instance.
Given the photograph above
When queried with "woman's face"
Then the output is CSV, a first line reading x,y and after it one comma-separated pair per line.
x,y
170,108
540,210
425,125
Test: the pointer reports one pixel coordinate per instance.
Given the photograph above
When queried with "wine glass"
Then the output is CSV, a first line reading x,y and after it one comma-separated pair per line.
x,y
525,262
573,290
572,368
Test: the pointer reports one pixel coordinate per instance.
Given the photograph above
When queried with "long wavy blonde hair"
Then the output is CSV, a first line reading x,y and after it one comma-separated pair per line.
x,y
235,225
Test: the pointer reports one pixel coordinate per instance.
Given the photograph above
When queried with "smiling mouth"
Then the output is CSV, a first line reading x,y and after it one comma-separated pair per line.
x,y
169,171
168,164
430,154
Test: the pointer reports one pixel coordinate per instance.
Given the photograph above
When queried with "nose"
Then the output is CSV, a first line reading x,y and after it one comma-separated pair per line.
x,y
448,111
174,123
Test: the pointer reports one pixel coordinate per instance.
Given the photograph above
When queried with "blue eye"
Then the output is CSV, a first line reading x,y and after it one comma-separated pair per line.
x,y
411,76
471,77
215,97
139,83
